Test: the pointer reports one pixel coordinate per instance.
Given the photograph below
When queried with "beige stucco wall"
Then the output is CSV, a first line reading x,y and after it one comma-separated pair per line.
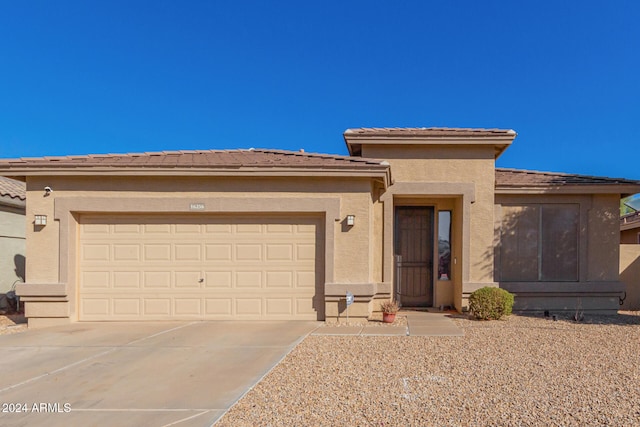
x,y
598,286
604,238
12,248
630,275
376,234
349,249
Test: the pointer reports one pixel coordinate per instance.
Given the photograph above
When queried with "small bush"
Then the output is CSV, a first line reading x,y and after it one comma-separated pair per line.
x,y
389,307
490,303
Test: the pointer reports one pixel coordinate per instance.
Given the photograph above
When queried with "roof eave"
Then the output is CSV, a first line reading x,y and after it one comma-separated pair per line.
x,y
13,202
500,142
623,189
422,138
372,171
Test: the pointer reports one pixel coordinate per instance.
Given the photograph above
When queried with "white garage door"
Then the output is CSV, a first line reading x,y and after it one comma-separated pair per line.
x,y
195,267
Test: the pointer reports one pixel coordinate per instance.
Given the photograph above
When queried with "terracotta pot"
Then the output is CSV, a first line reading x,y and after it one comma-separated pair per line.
x,y
388,317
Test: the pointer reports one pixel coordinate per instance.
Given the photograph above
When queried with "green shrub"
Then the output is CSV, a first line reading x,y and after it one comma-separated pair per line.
x,y
490,303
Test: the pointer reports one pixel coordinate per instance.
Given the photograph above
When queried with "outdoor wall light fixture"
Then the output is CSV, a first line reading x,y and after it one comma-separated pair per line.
x,y
351,220
40,220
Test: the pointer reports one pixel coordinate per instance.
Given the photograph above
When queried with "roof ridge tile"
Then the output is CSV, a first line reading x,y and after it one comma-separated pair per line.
x,y
427,130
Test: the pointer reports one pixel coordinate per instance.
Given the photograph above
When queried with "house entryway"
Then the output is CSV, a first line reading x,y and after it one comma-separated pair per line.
x,y
414,255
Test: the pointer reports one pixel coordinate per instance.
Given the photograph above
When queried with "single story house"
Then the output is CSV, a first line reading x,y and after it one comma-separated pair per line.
x,y
421,215
12,236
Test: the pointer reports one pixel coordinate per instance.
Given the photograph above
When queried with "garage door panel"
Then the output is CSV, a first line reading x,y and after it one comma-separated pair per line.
x,y
187,307
157,306
279,252
279,279
126,306
305,306
305,228
126,252
248,228
206,267
187,279
305,252
188,229
218,307
126,229
95,252
248,307
152,229
306,279
156,279
92,307
223,229
96,279
127,279
248,252
101,229
157,252
279,229
218,279
188,252
248,279
218,252
279,306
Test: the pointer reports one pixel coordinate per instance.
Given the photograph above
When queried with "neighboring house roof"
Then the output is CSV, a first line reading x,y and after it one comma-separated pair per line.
x,y
500,139
524,181
12,192
630,221
202,162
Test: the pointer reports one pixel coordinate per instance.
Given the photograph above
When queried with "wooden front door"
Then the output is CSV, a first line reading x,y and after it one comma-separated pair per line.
x,y
414,255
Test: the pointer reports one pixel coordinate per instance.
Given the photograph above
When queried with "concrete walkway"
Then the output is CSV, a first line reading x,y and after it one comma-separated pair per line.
x,y
419,324
184,374
432,324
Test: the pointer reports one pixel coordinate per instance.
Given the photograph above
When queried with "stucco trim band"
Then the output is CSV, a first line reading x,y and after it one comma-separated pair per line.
x,y
41,289
357,289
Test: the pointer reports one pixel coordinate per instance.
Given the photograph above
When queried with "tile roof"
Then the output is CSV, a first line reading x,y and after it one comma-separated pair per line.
x,y
430,131
200,159
12,188
526,178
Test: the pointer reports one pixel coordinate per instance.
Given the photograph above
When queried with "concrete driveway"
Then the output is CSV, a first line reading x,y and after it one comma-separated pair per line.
x,y
133,374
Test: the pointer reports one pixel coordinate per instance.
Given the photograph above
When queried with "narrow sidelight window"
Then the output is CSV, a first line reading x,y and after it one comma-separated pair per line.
x,y
444,245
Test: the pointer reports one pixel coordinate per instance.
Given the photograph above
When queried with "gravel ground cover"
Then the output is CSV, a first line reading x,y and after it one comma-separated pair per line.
x,y
523,371
374,320
12,323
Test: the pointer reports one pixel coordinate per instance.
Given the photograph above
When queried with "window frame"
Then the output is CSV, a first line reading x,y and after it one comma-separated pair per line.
x,y
543,244
448,212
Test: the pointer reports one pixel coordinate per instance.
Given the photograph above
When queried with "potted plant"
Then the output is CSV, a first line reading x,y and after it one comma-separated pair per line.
x,y
389,309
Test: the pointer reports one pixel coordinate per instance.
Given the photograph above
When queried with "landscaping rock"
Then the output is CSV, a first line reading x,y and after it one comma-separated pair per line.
x,y
517,372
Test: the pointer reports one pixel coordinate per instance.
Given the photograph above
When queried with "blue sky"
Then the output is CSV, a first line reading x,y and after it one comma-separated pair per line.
x,y
82,77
